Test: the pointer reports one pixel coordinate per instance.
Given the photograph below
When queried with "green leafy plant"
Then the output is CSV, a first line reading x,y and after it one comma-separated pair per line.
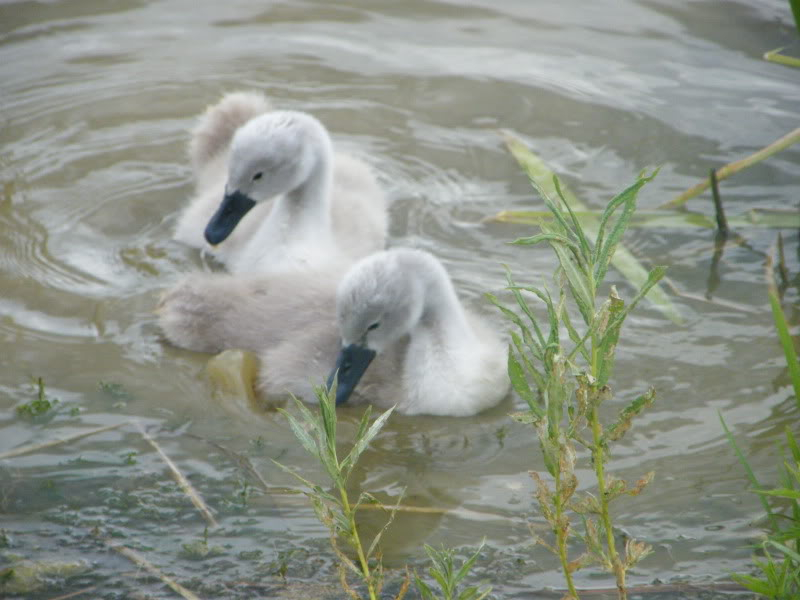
x,y
317,434
779,576
449,576
782,328
564,379
40,405
780,567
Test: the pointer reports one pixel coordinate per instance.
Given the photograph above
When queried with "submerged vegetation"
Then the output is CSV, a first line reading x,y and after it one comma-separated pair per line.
x,y
41,405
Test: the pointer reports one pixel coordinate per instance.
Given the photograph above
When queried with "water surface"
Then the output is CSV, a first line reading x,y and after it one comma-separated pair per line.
x,y
96,102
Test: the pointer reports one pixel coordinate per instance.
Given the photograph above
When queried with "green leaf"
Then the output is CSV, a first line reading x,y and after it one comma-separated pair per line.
x,y
781,493
517,292
301,434
787,552
362,442
537,377
653,278
468,564
392,513
578,281
786,341
546,237
586,248
520,384
604,251
510,314
795,6
627,414
754,584
792,443
327,408
295,474
750,474
423,588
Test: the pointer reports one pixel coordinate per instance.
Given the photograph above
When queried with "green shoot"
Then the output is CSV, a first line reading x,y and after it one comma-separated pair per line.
x,y
780,570
317,434
449,576
41,405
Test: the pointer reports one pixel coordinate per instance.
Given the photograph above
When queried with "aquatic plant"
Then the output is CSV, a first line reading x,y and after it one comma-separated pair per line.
x,y
782,329
780,569
40,405
779,575
565,381
776,55
317,434
443,570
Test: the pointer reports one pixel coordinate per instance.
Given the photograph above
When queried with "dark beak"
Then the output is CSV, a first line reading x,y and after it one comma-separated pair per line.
x,y
234,206
351,364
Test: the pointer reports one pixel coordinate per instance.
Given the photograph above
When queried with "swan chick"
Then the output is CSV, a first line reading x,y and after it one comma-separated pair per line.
x,y
277,153
322,208
400,306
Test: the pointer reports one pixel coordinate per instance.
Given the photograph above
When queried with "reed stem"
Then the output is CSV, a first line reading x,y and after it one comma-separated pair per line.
x,y
732,168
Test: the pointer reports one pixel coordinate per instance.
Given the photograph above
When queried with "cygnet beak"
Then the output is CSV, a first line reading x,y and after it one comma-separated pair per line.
x,y
234,206
351,364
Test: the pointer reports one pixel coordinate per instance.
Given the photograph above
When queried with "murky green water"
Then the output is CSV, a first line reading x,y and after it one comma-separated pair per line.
x,y
96,100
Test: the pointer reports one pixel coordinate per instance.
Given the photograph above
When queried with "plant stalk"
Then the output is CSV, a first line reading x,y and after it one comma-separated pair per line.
x,y
598,459
357,542
731,168
562,535
605,516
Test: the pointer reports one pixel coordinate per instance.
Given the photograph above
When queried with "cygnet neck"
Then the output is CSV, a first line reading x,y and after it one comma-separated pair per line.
x,y
303,215
442,313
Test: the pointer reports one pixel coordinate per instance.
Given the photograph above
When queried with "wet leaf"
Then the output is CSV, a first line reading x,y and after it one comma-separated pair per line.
x,y
627,414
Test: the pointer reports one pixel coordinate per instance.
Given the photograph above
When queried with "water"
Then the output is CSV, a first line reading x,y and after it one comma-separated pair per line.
x,y
96,101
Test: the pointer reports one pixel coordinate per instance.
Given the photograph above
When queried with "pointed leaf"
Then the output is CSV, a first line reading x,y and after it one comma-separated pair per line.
x,y
546,237
294,474
750,474
625,196
516,290
423,588
362,443
787,552
537,377
301,434
781,493
653,278
786,341
520,384
392,513
467,566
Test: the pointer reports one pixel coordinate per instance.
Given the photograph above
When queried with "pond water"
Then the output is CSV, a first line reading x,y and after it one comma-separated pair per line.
x,y
96,102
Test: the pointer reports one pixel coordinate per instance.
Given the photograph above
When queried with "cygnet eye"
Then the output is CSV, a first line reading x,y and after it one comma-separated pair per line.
x,y
257,176
373,326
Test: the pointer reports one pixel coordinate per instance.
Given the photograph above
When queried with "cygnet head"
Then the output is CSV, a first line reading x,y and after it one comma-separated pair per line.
x,y
379,300
270,155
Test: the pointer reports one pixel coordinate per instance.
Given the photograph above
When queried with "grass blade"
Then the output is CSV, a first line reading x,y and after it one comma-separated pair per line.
x,y
750,474
786,341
